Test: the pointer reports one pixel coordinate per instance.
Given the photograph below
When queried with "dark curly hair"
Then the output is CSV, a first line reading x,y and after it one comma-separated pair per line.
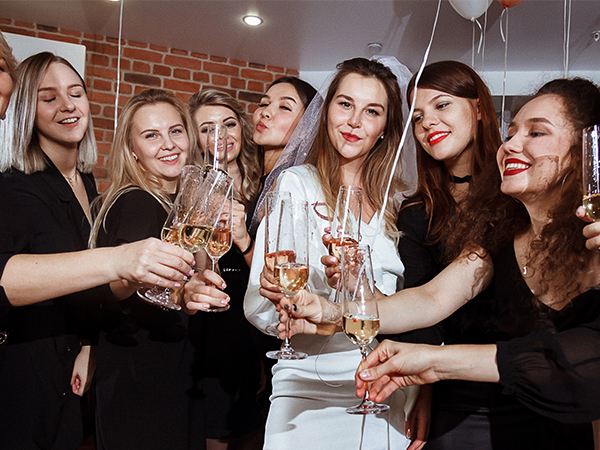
x,y
492,218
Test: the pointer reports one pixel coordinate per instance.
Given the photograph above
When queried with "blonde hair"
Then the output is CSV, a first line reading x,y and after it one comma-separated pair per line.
x,y
124,173
7,54
377,166
250,165
21,154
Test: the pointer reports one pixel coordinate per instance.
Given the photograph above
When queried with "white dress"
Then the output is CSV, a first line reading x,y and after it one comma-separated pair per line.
x,y
310,396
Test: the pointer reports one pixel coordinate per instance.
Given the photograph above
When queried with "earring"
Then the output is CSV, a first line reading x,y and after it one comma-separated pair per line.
x,y
134,156
381,137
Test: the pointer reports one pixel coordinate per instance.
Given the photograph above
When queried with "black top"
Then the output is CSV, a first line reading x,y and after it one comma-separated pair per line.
x,y
144,357
551,363
422,262
39,409
14,238
534,378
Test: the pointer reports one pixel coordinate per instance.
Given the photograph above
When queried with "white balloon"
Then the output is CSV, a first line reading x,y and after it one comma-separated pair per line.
x,y
470,9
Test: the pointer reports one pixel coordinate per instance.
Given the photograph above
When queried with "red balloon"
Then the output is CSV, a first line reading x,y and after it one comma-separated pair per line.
x,y
509,3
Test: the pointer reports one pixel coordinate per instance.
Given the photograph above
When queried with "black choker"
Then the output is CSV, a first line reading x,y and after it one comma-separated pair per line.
x,y
458,180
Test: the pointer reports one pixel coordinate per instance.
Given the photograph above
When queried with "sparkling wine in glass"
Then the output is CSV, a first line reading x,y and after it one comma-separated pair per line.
x,y
591,172
291,264
215,152
345,226
591,175
191,183
221,240
360,317
273,201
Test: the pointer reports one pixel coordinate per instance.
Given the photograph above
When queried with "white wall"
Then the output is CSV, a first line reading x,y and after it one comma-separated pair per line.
x,y
25,46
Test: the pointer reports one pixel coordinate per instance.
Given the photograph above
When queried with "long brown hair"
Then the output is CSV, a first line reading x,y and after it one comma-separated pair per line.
x,y
250,162
377,166
459,80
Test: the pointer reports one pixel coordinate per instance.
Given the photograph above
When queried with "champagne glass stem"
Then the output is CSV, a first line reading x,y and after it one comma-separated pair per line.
x,y
286,346
366,399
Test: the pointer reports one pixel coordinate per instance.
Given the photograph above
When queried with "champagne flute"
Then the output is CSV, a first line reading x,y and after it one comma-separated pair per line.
x,y
360,316
345,226
591,176
273,201
215,153
291,263
191,183
220,240
591,172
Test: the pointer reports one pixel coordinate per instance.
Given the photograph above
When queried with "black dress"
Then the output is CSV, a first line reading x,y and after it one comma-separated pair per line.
x,y
225,390
511,414
144,357
38,408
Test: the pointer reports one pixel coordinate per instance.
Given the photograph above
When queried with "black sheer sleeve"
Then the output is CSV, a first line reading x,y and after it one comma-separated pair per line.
x,y
556,374
421,263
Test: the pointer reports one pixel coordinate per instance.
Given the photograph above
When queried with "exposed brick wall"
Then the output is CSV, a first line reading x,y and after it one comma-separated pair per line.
x,y
145,65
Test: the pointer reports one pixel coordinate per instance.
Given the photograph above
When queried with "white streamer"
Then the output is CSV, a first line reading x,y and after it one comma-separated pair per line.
x,y
505,39
406,126
566,36
118,67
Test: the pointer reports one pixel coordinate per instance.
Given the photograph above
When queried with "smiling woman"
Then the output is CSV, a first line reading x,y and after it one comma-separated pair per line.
x,y
144,357
356,140
51,184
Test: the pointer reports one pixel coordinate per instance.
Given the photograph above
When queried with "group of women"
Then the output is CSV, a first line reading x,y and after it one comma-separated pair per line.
x,y
476,259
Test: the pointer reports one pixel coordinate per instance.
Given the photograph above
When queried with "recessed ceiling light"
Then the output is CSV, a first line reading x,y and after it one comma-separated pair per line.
x,y
253,21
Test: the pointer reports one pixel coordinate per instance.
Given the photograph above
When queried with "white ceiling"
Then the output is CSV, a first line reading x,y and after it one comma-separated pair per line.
x,y
314,35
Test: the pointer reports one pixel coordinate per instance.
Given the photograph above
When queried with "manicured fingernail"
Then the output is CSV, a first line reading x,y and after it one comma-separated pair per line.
x,y
223,286
225,301
186,278
191,272
295,307
176,285
365,374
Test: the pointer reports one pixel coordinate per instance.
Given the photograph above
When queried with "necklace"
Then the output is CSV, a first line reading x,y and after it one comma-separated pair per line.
x,y
71,179
459,180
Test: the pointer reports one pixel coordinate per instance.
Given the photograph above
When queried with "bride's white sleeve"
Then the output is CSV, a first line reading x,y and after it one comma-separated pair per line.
x,y
260,311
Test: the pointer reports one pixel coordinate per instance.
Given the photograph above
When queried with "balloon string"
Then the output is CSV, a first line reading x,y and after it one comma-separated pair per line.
x,y
473,44
480,36
483,34
118,66
505,38
406,126
566,36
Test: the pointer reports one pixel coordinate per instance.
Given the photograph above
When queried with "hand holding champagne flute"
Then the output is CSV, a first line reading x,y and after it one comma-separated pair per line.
x,y
345,226
291,264
221,239
191,183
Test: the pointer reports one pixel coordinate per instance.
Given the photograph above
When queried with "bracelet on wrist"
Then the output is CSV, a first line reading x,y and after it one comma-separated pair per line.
x,y
250,246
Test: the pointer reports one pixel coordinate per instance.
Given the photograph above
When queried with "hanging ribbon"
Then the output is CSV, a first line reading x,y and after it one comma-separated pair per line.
x,y
505,39
118,67
407,125
566,36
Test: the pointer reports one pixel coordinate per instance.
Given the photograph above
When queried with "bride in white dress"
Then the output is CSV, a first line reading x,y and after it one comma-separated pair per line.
x,y
357,137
